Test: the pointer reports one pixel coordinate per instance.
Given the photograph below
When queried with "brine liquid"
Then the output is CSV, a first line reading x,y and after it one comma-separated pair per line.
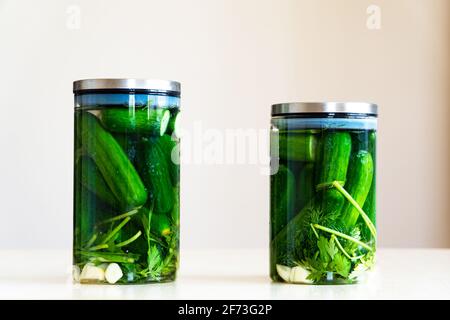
x,y
310,218
142,240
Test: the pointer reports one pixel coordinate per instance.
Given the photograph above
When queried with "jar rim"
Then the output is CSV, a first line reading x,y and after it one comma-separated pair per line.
x,y
365,108
127,84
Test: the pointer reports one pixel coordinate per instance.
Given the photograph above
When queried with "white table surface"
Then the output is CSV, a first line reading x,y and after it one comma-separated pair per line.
x,y
400,274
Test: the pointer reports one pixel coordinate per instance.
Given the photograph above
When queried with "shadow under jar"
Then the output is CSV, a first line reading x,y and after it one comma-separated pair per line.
x,y
323,192
126,181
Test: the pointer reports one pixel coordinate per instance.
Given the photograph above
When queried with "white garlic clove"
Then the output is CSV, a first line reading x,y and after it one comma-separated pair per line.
x,y
299,275
113,273
284,272
91,273
76,273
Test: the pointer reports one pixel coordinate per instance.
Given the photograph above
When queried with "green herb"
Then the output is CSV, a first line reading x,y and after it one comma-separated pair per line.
x,y
326,249
127,161
106,247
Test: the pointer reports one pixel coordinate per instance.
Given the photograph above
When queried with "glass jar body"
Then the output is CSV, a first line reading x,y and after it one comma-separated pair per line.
x,y
126,188
323,198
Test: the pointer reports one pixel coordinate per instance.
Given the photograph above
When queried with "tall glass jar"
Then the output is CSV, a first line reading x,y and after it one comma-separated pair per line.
x,y
126,181
323,192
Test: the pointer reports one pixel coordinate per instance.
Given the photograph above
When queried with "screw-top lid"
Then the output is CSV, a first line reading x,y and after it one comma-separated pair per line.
x,y
130,85
325,107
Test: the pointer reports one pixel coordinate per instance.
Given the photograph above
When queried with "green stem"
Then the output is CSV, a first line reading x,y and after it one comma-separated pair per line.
x,y
124,243
91,240
343,235
110,257
153,238
99,247
343,250
328,185
366,219
121,216
78,154
116,229
314,230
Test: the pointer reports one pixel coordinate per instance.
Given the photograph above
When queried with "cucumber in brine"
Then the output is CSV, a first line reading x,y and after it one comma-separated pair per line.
x,y
298,147
149,120
357,185
170,148
117,170
160,225
336,151
87,210
370,203
92,179
304,186
282,189
156,176
175,212
172,127
129,144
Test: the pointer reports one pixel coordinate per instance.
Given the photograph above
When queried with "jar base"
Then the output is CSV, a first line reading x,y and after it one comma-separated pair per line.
x,y
331,281
166,279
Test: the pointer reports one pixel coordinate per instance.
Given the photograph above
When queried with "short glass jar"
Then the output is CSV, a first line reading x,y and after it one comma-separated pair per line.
x,y
323,192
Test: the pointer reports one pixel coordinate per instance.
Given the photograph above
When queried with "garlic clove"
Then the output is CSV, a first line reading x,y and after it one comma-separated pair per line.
x,y
284,272
113,273
299,275
76,273
92,273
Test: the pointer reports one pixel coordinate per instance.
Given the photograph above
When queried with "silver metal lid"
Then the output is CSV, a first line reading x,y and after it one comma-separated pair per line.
x,y
126,84
325,107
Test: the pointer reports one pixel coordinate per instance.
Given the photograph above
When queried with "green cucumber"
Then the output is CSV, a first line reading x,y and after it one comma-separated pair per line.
x,y
129,144
175,213
337,147
370,204
282,189
160,225
172,127
358,185
155,174
298,147
370,207
285,244
87,210
172,153
334,159
301,131
83,217
364,140
304,186
117,170
92,179
149,120
336,152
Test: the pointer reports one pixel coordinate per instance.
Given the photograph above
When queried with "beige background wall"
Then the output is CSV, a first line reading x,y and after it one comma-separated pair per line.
x,y
234,59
